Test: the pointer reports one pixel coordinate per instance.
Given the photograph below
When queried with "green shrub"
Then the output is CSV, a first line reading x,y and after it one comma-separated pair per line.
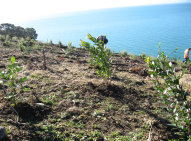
x,y
2,38
132,56
59,44
50,42
37,46
15,38
174,97
26,45
8,38
179,62
143,55
123,53
69,49
100,56
21,48
12,84
7,43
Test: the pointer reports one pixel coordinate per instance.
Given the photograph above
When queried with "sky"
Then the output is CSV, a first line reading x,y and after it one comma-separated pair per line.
x,y
18,11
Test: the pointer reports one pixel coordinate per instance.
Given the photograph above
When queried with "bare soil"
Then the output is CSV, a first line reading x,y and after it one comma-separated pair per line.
x,y
68,101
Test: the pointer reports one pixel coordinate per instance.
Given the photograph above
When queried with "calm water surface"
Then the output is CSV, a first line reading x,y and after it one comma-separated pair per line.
x,y
134,29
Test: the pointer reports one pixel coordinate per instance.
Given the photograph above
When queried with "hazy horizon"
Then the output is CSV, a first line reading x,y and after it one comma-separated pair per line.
x,y
22,11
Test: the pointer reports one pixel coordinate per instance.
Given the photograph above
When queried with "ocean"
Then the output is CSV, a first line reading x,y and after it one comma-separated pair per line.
x,y
134,29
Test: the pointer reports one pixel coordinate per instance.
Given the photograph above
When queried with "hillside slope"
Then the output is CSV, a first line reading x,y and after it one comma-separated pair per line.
x,y
68,101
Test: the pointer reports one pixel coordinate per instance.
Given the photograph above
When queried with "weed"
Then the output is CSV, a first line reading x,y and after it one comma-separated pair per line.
x,y
36,76
69,49
7,43
50,42
47,101
8,38
51,132
143,55
110,107
138,134
96,135
132,56
25,46
37,46
60,44
2,38
123,53
95,126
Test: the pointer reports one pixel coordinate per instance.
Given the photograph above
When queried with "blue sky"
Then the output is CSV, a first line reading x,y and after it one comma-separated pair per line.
x,y
18,11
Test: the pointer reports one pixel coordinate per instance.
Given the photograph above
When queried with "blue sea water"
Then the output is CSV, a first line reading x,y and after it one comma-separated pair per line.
x,y
134,29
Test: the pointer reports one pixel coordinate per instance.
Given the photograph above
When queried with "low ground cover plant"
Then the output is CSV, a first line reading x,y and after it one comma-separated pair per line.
x,y
60,44
101,57
123,53
25,45
177,106
69,49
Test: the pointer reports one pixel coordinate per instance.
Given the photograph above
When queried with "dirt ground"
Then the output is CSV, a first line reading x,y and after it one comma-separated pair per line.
x,y
68,101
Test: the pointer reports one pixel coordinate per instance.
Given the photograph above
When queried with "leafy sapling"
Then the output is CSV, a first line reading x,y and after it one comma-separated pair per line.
x,y
173,95
101,57
12,84
69,49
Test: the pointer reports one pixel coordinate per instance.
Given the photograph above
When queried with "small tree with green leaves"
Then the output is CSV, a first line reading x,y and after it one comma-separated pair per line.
x,y
100,56
174,97
12,85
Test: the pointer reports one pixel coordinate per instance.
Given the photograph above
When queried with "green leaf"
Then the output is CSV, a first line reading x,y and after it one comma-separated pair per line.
x,y
3,75
89,36
14,66
10,66
26,89
164,96
11,84
159,44
12,105
21,80
12,59
19,69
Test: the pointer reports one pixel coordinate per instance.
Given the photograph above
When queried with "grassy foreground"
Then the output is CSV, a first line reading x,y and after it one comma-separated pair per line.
x,y
68,101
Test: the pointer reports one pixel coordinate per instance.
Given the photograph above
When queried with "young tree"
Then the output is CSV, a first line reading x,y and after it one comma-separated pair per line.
x,y
100,56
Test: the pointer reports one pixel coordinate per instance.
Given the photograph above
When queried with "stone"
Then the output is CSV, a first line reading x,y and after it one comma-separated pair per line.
x,y
3,133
